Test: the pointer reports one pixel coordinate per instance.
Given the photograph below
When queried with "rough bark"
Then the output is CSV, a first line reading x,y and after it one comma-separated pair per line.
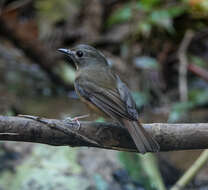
x,y
103,135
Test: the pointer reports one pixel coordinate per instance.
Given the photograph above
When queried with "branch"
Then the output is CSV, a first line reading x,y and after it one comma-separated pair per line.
x,y
201,72
183,84
192,171
103,135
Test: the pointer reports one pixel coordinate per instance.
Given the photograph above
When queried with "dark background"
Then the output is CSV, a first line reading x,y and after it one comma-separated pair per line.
x,y
147,42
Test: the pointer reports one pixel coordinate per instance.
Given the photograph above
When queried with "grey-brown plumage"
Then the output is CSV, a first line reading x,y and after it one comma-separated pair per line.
x,y
98,86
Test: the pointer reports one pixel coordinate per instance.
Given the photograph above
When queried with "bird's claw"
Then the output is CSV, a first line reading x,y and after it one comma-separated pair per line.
x,y
76,119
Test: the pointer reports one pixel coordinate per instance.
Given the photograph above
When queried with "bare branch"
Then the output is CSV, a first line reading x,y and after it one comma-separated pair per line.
x,y
192,171
183,85
103,135
199,71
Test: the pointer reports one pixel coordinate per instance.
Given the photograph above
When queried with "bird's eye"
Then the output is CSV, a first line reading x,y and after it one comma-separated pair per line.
x,y
79,53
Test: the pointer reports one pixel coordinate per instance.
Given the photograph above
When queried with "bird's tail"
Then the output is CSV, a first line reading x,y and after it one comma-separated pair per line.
x,y
144,142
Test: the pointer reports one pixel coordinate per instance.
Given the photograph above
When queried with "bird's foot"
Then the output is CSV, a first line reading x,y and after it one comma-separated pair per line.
x,y
76,119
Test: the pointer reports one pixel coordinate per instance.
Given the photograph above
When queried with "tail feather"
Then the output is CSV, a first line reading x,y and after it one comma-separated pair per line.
x,y
144,142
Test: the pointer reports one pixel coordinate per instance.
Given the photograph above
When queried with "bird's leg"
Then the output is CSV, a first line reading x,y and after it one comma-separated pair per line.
x,y
76,119
58,126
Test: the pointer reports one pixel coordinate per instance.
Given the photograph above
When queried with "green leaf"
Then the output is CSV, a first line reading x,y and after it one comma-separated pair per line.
x,y
120,15
144,27
196,60
162,18
149,3
175,11
198,96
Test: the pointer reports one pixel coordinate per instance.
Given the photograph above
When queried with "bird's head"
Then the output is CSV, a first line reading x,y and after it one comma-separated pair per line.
x,y
84,55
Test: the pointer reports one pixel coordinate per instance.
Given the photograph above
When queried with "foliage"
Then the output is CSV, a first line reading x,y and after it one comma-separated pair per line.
x,y
153,13
197,97
197,94
144,169
196,60
53,10
198,8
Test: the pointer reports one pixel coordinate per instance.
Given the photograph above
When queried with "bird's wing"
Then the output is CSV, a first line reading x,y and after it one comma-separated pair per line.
x,y
112,102
127,98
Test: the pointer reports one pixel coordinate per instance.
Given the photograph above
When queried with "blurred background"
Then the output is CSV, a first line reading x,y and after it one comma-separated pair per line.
x,y
159,48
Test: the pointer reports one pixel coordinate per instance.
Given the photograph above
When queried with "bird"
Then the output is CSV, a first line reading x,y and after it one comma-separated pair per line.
x,y
102,89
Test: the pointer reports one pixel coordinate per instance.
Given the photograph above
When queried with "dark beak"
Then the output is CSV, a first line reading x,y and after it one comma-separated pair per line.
x,y
65,51
69,54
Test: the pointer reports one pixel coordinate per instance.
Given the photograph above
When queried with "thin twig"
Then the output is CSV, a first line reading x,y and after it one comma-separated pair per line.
x,y
199,71
16,5
183,85
192,171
